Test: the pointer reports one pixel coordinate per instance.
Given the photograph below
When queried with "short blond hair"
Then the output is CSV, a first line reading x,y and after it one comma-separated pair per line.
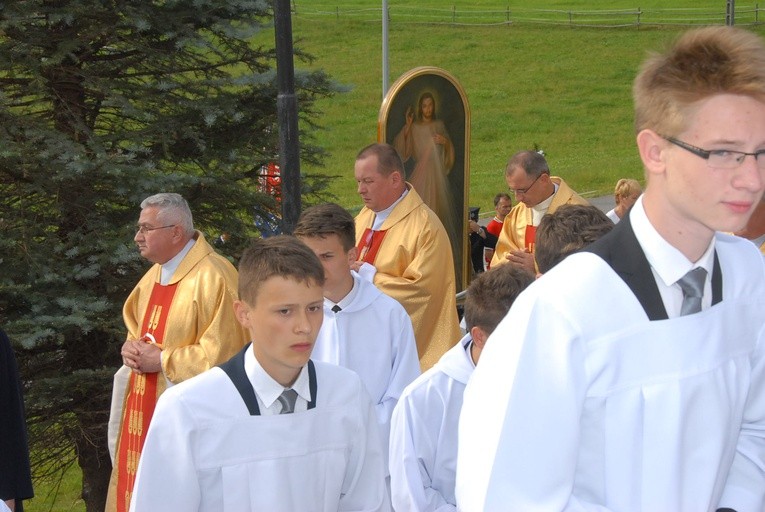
x,y
701,63
625,187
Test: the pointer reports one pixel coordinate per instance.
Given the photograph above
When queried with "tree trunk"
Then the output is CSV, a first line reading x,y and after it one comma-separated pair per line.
x,y
93,458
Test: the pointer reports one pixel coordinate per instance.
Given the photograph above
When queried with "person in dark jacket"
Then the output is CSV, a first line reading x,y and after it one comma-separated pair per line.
x,y
15,473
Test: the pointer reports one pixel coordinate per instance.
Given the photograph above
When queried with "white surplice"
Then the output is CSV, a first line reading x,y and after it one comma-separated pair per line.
x,y
580,403
423,438
372,336
204,452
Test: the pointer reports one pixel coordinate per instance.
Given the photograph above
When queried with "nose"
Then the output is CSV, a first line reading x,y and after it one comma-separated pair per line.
x,y
360,188
750,175
302,325
138,236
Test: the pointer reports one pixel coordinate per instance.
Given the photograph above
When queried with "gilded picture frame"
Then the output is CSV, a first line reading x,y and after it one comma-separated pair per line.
x,y
426,116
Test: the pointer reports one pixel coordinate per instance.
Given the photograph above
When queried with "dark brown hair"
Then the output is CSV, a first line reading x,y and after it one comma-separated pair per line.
x,y
283,256
388,159
327,219
568,229
491,294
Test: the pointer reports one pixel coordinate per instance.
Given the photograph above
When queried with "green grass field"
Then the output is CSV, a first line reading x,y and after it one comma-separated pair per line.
x,y
63,496
566,90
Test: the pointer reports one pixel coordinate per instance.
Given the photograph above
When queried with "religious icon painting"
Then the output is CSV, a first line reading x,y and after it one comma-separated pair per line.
x,y
426,117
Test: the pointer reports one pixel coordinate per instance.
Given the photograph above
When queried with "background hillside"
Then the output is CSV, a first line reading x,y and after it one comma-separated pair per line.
x,y
537,81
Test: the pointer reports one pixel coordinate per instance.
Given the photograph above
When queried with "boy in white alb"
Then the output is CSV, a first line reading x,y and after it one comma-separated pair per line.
x,y
270,429
634,381
364,330
423,438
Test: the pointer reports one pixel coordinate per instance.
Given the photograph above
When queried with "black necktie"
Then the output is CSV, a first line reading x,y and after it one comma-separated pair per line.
x,y
336,308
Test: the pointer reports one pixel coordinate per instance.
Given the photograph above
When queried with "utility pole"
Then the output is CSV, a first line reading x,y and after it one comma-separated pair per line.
x,y
730,13
287,115
385,73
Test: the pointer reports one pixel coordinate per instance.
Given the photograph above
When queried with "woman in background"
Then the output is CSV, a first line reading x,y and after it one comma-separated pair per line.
x,y
626,193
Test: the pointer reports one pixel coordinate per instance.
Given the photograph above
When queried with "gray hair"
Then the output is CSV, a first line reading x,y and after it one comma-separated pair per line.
x,y
173,208
533,164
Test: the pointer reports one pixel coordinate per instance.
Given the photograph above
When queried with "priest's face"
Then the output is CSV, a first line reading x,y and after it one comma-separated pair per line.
x,y
376,190
158,239
690,197
529,191
336,262
283,324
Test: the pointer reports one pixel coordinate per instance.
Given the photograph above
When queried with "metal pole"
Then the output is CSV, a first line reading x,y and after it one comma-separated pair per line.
x,y
287,114
730,13
385,72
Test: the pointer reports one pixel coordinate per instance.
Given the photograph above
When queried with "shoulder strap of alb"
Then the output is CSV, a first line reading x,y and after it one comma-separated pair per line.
x,y
234,368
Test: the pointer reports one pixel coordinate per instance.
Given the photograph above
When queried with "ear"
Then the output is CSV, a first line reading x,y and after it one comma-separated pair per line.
x,y
651,147
242,312
352,255
479,336
177,232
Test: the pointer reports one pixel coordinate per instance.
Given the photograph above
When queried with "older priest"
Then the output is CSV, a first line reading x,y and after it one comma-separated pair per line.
x,y
180,322
528,177
403,248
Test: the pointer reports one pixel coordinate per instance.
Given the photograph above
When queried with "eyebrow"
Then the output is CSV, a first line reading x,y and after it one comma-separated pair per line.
x,y
726,142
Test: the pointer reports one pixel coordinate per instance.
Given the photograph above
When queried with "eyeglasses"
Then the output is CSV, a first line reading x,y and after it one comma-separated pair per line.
x,y
516,191
720,158
145,229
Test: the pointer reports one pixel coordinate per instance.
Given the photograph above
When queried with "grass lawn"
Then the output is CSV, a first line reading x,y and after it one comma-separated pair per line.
x,y
64,499
565,90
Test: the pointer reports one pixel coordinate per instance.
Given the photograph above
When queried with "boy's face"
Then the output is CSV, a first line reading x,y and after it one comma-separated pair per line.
x,y
699,199
283,324
335,260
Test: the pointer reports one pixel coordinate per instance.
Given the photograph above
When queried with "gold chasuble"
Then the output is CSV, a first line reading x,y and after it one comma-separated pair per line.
x,y
141,397
413,258
518,230
192,320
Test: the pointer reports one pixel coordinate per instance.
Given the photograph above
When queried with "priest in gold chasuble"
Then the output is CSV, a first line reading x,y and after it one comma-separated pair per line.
x,y
404,250
537,193
180,322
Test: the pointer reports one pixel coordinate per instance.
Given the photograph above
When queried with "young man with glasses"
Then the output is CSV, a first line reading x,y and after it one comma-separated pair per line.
x,y
536,193
180,322
635,380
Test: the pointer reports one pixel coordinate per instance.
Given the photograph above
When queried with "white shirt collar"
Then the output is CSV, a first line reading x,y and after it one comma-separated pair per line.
x,y
170,266
266,388
540,210
668,264
667,261
381,216
348,299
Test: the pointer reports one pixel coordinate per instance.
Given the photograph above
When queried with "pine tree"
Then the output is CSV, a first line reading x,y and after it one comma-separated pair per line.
x,y
102,103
